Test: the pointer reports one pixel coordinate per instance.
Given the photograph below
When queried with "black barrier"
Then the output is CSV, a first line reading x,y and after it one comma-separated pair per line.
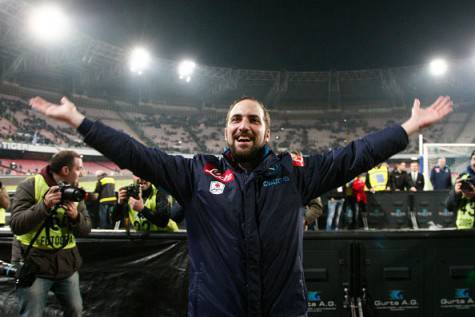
x,y
430,209
393,210
122,276
374,273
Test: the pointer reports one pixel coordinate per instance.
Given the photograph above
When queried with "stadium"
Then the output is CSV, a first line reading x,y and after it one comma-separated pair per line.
x,y
384,268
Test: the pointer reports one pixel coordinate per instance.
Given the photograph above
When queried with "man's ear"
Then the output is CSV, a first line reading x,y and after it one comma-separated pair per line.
x,y
225,135
267,137
65,170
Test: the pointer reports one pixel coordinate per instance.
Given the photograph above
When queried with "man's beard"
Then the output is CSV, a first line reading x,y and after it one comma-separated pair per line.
x,y
253,156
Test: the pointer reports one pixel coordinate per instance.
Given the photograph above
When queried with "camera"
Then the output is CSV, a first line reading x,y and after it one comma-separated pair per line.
x,y
465,185
71,193
7,269
133,190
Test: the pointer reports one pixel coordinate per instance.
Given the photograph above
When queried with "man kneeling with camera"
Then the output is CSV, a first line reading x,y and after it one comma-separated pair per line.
x,y
145,208
47,213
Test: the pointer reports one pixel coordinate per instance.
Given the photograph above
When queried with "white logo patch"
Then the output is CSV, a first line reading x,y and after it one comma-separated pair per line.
x,y
216,187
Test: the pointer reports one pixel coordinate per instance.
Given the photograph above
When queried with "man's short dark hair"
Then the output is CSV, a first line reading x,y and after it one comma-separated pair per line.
x,y
264,109
62,158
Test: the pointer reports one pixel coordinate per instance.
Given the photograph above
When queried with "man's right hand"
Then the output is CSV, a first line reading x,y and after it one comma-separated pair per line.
x,y
65,112
52,197
122,198
458,186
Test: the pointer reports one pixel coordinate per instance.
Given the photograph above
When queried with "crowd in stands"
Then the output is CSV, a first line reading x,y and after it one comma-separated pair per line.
x,y
202,132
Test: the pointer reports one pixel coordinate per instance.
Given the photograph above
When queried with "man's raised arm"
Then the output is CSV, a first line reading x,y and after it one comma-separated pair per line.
x,y
172,172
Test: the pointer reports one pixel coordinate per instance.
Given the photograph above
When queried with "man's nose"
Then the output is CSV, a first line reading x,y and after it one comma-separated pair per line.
x,y
244,125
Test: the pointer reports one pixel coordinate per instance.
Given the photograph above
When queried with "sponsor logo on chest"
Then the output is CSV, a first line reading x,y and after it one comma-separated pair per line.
x,y
216,187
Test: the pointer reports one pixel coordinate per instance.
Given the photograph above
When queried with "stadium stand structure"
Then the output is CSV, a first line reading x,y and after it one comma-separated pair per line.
x,y
175,130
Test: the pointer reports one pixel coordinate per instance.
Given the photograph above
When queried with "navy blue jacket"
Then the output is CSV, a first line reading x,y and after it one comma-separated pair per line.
x,y
244,228
441,178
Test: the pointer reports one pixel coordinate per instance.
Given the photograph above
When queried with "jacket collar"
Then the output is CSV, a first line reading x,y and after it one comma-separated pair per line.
x,y
471,172
48,176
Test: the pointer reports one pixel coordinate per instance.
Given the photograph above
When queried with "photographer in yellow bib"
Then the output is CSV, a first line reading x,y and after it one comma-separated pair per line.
x,y
145,208
462,197
47,214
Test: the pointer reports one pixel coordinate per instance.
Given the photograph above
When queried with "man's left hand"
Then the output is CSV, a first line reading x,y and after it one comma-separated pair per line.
x,y
71,209
137,204
424,117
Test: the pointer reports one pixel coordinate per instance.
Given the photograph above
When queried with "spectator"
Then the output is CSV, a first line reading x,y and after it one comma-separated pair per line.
x,y
462,197
335,202
105,189
416,178
38,207
440,175
398,179
377,178
360,214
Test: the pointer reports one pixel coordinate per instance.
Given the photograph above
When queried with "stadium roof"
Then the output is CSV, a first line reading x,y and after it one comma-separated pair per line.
x,y
256,41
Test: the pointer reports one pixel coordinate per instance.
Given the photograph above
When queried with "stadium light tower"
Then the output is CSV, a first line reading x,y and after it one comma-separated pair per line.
x,y
438,67
140,60
186,69
47,22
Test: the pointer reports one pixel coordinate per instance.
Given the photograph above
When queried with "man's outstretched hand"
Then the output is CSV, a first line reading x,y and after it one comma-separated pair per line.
x,y
64,112
424,117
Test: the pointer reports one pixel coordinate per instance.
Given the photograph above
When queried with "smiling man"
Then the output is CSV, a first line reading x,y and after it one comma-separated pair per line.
x,y
247,131
242,210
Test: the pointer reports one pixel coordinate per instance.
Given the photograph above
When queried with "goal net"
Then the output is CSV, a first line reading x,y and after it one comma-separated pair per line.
x,y
457,156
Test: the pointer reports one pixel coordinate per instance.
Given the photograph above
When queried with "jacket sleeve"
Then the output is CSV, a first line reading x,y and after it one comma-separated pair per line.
x,y
161,215
392,182
322,172
97,189
367,182
173,173
453,201
82,226
120,212
432,177
4,199
26,215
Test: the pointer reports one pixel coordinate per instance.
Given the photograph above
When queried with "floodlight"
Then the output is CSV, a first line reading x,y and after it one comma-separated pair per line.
x,y
186,69
438,67
139,60
48,22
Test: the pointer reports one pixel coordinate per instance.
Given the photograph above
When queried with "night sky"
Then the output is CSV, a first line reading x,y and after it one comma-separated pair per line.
x,y
290,35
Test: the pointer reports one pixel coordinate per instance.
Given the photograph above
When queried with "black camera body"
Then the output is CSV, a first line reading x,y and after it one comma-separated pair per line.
x,y
71,193
465,185
133,190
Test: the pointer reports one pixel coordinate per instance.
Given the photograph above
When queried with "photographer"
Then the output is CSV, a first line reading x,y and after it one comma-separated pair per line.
x,y
462,197
4,204
146,208
46,217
